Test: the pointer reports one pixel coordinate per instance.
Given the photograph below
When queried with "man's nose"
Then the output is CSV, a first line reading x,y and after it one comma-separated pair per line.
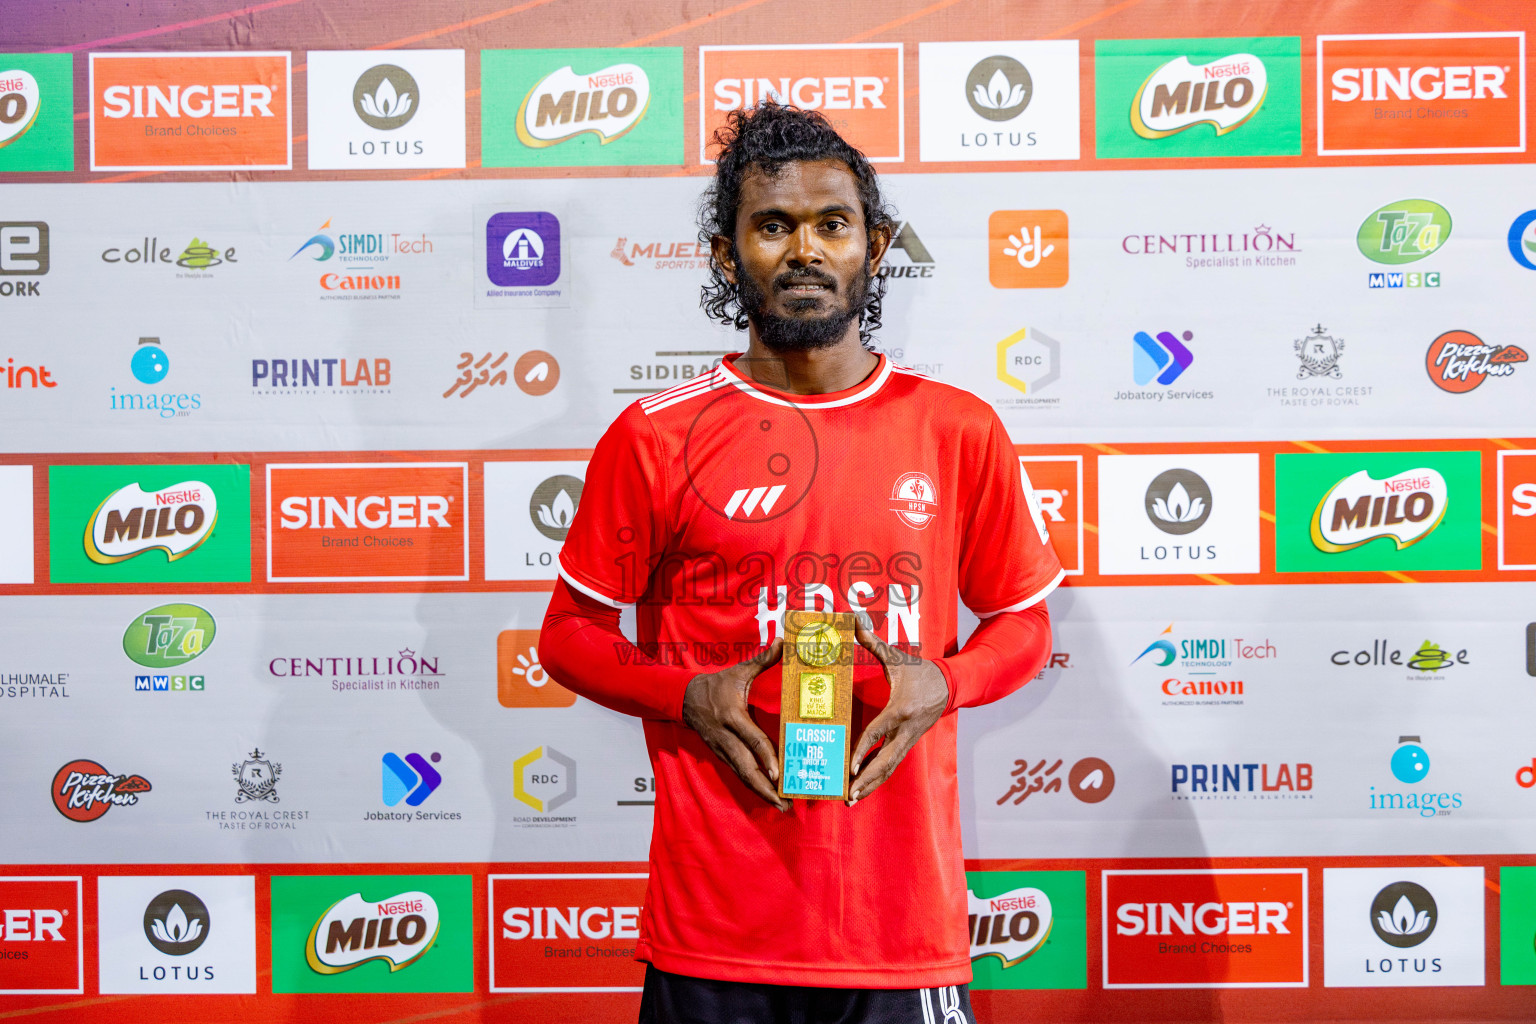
x,y
805,250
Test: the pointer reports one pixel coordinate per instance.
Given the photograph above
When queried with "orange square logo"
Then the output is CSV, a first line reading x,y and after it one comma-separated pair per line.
x,y
566,933
1027,248
521,681
190,111
1055,483
858,87
367,521
1456,92
1517,510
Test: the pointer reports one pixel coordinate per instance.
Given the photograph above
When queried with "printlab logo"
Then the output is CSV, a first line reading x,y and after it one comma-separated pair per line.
x,y
1404,914
1178,502
319,375
544,779
553,504
1090,779
1459,361
999,101
256,779
411,778
24,252
176,922
1028,360
37,113
1027,248
1163,358
83,790
386,97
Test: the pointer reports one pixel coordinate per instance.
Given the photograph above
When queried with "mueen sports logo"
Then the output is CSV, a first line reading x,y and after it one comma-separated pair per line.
x,y
1458,361
175,519
1405,506
562,105
83,790
1224,94
1011,926
355,931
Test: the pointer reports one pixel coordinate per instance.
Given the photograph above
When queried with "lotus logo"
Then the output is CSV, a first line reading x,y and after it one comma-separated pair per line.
x,y
1404,914
999,88
1011,926
553,505
130,521
1406,507
1178,501
1179,95
353,931
562,105
385,97
176,922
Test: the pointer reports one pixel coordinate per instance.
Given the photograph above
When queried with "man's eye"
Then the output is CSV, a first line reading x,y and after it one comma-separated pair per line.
x,y
835,225
772,229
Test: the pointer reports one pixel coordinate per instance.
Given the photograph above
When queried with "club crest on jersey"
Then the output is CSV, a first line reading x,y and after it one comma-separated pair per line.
x,y
915,500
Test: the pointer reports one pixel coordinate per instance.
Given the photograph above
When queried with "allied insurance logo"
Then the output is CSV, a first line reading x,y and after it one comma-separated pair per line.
x,y
552,933
190,111
1198,97
41,947
582,107
1218,928
367,521
857,86
37,114
1450,92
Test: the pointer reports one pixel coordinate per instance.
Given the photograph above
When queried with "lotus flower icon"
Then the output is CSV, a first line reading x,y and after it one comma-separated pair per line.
x,y
557,515
1403,919
385,102
386,97
998,88
1178,501
998,93
1178,506
176,928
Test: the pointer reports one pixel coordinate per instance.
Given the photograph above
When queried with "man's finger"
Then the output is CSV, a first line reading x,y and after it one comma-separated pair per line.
x,y
877,730
864,633
874,774
735,753
767,656
756,740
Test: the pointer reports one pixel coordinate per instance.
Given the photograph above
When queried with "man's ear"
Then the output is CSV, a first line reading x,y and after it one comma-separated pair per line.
x,y
720,249
879,243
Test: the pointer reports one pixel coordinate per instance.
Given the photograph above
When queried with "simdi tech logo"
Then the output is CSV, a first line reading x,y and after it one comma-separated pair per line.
x,y
1195,98
857,86
582,107
1000,101
37,112
1028,929
191,111
1430,92
382,109
42,950
1378,511
149,523
372,933
566,932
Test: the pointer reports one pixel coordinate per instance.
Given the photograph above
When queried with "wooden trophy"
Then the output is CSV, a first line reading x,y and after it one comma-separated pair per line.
x,y
816,709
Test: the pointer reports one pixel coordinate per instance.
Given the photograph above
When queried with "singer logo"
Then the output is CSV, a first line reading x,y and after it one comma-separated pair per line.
x,y
40,947
367,521
1455,92
857,86
190,111
1406,507
1054,483
1220,928
350,933
1517,510
560,932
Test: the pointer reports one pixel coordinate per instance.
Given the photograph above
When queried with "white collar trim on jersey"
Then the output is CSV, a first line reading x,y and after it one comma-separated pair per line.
x,y
730,375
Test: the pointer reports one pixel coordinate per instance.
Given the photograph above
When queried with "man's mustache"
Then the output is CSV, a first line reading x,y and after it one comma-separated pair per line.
x,y
807,275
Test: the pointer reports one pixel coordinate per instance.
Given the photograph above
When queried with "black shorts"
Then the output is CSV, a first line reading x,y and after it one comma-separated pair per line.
x,y
678,999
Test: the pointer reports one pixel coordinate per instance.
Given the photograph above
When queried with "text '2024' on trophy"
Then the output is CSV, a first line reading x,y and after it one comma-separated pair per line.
x,y
816,713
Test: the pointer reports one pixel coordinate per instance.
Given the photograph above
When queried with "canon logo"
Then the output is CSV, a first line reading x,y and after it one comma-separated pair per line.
x,y
374,512
571,923
1379,85
245,100
856,92
1243,918
31,925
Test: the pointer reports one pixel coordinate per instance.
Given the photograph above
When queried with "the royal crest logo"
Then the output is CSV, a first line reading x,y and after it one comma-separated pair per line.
x,y
1010,926
1319,353
1406,507
1459,361
354,931
257,778
83,790
175,519
562,105
915,500
1224,94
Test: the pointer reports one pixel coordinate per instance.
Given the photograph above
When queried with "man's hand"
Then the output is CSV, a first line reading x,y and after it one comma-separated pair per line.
x,y
919,695
715,707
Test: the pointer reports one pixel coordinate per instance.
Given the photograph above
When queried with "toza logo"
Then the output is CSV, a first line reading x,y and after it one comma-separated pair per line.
x,y
1406,506
169,635
1404,914
1179,95
386,97
354,931
1404,231
1458,361
175,519
562,105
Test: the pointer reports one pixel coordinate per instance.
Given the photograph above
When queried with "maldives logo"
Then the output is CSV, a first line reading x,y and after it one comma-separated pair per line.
x,y
1224,94
562,105
1458,361
175,519
1405,506
84,790
354,931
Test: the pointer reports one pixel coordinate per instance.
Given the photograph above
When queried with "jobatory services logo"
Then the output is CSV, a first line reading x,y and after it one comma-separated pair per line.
x,y
382,109
1404,926
190,111
1028,360
1516,499
149,523
367,521
174,934
37,112
857,86
582,107
1424,93
1378,511
150,364
1198,97
83,790
42,950
521,681
1028,929
529,508
1027,248
1459,361
999,101
170,636
1054,483
1161,359
1178,513
563,932
16,549
1218,928
409,779
1090,779
1410,765
372,933
24,252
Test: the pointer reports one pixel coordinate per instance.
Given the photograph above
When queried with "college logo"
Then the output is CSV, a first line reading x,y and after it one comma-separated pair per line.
x,y
41,951
1405,926
559,932
1027,249
1173,514
1430,657
858,86
1362,511
544,779
999,101
367,521
1198,97
1054,486
37,113
914,499
521,681
380,933
256,779
190,111
1516,498
1451,92
24,252
198,256
588,107
1220,928
83,790
1458,361
529,508
379,109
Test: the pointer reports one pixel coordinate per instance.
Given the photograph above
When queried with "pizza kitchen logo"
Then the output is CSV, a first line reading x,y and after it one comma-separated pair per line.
x,y
1459,361
1224,94
1405,507
83,790
353,931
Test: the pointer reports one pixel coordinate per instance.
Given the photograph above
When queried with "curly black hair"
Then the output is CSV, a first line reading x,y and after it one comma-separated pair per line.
x,y
766,137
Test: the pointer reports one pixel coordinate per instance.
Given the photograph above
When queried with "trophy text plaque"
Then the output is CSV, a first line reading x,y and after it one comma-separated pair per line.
x,y
816,712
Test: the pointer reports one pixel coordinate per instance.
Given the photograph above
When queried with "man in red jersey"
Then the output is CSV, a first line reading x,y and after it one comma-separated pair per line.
x,y
808,472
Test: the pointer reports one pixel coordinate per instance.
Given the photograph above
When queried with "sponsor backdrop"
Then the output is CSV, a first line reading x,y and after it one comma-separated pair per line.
x,y
314,312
